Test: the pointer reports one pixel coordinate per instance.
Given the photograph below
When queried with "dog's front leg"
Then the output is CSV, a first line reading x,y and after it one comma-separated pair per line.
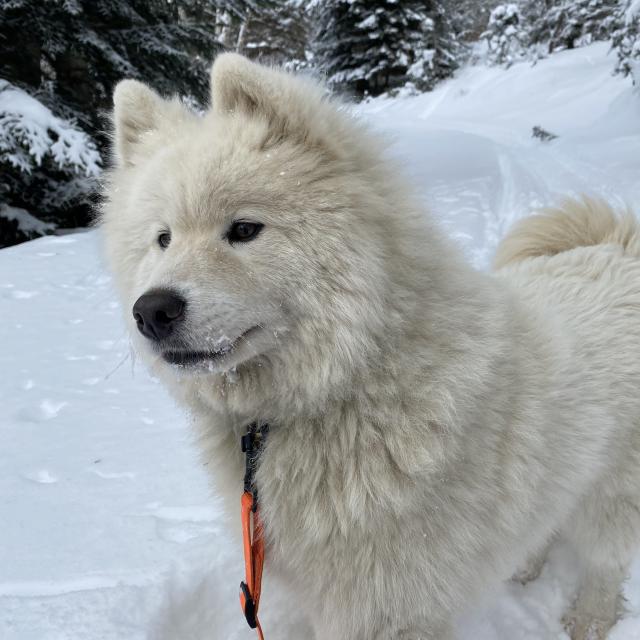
x,y
443,632
349,629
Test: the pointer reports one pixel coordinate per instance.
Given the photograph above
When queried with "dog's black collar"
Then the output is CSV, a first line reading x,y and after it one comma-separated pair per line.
x,y
252,444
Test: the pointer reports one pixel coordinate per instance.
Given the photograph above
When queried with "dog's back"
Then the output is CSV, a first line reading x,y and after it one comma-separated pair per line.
x,y
578,268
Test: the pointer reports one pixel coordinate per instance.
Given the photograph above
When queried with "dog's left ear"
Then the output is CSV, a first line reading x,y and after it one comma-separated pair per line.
x,y
138,113
136,110
289,104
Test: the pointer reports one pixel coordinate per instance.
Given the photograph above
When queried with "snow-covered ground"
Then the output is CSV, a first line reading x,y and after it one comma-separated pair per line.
x,y
107,523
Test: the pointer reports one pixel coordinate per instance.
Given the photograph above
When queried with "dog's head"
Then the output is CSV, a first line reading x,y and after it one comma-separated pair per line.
x,y
253,239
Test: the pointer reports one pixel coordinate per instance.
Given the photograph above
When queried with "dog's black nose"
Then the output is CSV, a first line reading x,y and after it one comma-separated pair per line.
x,y
157,313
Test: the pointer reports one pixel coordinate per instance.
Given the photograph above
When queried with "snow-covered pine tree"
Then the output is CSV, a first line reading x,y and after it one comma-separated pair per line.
x,y
574,23
277,33
370,47
443,50
626,40
46,163
68,54
505,35
469,17
72,52
366,47
554,25
273,31
534,28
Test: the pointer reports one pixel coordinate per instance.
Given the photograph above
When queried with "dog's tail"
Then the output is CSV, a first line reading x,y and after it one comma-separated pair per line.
x,y
575,223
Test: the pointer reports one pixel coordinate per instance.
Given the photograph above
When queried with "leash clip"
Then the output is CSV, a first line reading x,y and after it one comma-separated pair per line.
x,y
248,605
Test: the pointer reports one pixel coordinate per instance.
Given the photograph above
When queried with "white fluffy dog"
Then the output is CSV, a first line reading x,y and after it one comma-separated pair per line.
x,y
431,426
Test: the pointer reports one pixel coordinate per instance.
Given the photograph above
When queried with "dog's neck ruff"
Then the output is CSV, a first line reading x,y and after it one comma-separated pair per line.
x,y
252,444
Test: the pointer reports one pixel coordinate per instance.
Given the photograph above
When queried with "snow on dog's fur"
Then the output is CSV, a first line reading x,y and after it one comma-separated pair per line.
x,y
431,426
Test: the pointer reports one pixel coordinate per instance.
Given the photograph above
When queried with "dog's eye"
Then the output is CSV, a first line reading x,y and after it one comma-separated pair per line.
x,y
164,239
244,231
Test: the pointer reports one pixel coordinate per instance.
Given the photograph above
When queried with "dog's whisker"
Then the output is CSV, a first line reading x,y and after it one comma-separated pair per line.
x,y
126,357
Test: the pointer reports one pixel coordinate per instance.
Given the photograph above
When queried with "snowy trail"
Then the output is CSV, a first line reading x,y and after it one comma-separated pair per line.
x,y
469,143
108,528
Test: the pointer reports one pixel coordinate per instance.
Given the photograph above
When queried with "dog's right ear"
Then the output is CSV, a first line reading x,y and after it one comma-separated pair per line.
x,y
292,107
137,112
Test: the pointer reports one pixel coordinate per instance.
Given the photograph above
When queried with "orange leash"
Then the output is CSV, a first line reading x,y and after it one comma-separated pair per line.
x,y
252,533
253,544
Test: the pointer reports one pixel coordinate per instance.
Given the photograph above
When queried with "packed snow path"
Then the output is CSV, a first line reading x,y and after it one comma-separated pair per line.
x,y
108,528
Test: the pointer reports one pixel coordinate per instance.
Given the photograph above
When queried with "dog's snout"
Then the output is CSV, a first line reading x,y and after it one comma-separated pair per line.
x,y
157,313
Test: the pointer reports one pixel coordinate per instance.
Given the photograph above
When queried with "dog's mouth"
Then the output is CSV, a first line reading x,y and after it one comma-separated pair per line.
x,y
207,357
187,358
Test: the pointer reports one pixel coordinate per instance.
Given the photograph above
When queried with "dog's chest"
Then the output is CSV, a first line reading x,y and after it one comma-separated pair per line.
x,y
319,494
303,496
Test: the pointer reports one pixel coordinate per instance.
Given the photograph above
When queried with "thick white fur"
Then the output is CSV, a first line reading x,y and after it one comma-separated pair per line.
x,y
431,426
